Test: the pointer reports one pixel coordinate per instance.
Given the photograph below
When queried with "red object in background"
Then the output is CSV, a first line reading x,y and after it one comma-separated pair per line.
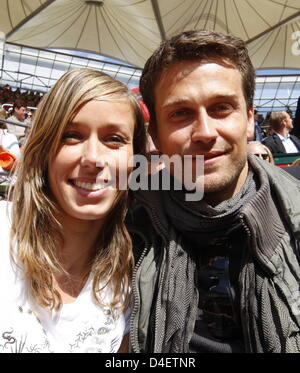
x,y
137,93
143,106
7,106
7,160
145,111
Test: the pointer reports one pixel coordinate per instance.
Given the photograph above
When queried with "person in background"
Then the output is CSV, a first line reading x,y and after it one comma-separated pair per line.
x,y
30,116
23,138
296,122
3,114
218,274
280,140
18,116
258,134
66,256
9,146
260,150
266,125
9,154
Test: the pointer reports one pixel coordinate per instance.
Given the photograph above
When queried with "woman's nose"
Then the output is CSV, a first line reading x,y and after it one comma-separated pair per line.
x,y
92,153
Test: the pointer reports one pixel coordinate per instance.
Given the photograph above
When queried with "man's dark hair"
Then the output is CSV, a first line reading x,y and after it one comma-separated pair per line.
x,y
200,45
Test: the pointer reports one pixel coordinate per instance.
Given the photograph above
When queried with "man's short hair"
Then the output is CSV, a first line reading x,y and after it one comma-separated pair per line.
x,y
200,45
275,119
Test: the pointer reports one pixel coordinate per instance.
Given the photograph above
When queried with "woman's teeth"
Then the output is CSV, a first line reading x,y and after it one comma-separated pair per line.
x,y
89,186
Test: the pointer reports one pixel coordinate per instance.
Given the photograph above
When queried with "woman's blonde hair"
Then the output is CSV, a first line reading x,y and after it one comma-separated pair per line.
x,y
35,229
271,158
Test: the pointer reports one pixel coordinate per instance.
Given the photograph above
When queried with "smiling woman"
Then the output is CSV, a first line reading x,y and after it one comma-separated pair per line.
x,y
69,278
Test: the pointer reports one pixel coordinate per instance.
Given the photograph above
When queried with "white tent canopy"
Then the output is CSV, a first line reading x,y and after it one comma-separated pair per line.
x,y
129,30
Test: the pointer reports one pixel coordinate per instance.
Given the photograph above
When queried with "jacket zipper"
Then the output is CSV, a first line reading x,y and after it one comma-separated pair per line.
x,y
157,311
134,335
245,327
135,294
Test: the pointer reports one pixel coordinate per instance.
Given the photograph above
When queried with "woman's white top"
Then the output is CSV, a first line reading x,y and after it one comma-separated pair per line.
x,y
10,142
81,326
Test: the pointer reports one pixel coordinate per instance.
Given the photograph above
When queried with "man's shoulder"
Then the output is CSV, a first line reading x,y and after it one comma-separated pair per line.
x,y
279,178
293,170
295,138
141,229
12,118
283,189
278,174
286,186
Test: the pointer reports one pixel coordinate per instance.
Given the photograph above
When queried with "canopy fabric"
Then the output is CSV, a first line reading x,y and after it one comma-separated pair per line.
x,y
130,30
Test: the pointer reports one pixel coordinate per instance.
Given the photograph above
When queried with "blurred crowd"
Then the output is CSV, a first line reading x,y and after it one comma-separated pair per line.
x,y
278,134
263,126
15,125
9,96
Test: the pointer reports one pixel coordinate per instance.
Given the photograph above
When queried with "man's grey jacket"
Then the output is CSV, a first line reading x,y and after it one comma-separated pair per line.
x,y
163,303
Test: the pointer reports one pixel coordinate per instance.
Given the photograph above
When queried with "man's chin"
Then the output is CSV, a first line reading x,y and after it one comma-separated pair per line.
x,y
219,187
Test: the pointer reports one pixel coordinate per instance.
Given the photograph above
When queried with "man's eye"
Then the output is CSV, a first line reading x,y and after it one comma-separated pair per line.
x,y
179,113
221,108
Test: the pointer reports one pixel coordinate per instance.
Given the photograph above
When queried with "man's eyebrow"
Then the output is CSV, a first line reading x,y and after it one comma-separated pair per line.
x,y
176,101
231,96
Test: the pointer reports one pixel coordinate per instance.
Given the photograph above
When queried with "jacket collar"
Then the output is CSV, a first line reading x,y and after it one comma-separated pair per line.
x,y
283,188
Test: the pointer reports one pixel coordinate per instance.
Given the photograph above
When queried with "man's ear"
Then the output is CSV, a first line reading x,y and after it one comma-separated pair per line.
x,y
250,125
283,123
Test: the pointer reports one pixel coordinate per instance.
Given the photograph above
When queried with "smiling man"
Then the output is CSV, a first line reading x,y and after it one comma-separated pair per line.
x,y
221,274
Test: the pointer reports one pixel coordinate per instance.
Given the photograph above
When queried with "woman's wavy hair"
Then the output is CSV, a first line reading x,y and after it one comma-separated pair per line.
x,y
35,230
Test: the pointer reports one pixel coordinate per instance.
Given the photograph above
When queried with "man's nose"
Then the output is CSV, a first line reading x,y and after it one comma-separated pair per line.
x,y
204,129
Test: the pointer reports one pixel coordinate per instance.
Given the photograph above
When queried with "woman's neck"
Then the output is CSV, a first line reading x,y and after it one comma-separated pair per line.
x,y
76,255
